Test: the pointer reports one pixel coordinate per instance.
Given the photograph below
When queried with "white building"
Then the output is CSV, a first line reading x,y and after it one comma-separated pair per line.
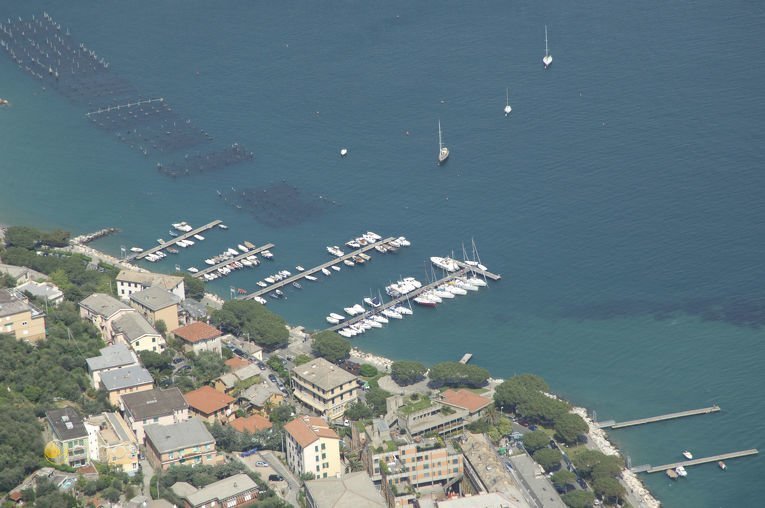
x,y
129,282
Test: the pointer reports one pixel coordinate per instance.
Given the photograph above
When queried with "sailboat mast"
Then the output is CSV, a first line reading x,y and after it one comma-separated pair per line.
x,y
546,51
440,143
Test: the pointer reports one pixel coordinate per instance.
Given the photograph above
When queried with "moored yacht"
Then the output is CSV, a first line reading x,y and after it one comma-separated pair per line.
x,y
335,251
424,301
446,263
688,455
311,278
192,269
443,151
335,268
136,249
680,470
199,237
337,316
326,272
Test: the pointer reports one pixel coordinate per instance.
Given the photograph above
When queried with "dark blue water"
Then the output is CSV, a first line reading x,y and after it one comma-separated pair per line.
x,y
621,201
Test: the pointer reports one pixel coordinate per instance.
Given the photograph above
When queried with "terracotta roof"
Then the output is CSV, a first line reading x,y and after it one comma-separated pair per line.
x,y
466,399
207,400
15,496
196,332
251,424
236,363
307,429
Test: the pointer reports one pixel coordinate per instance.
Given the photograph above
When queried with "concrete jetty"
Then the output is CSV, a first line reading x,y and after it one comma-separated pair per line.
x,y
647,468
611,424
175,240
238,257
466,358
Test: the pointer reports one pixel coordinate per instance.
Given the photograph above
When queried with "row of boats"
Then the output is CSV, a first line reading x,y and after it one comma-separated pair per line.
x,y
229,257
178,228
681,472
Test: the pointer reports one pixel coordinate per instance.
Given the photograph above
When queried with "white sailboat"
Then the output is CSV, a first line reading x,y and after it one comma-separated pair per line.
x,y
547,59
443,152
508,109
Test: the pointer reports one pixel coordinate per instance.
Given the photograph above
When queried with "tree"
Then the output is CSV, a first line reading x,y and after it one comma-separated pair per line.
x,y
536,440
375,398
246,318
579,499
195,288
407,372
358,411
301,359
206,366
161,327
609,467
548,458
519,389
457,374
586,461
282,414
331,346
608,488
157,363
367,370
563,479
569,426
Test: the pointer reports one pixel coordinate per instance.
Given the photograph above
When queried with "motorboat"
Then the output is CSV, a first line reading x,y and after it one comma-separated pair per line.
x,y
477,265
160,241
680,470
173,233
372,302
332,320
242,248
380,319
354,244
246,262
688,455
431,296
335,268
199,237
262,284
722,465
192,269
270,280
210,262
461,283
350,311
335,250
172,250
232,252
447,263
339,317
405,311
382,249
249,245
455,290
299,268
285,273
279,293
547,59
136,249
365,257
359,309
373,235
348,262
343,152
442,293
363,325
424,301
476,281
392,314
267,254
443,150
671,474
260,300
345,333
326,272
311,278
223,226
403,241
188,242
359,260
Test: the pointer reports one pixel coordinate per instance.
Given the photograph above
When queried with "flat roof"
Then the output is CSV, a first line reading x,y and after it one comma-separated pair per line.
x,y
222,489
154,403
323,374
104,305
353,490
46,290
117,355
11,303
66,423
149,279
186,434
126,377
155,298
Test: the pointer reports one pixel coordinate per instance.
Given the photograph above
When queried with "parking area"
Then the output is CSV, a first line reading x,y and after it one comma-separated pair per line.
x,y
264,471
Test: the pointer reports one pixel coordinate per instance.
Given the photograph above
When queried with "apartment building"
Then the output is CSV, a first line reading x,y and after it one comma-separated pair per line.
x,y
184,443
65,432
154,407
312,447
112,442
157,304
20,318
324,387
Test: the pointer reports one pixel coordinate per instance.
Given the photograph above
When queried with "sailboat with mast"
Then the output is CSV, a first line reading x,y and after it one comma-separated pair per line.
x,y
443,151
508,109
547,59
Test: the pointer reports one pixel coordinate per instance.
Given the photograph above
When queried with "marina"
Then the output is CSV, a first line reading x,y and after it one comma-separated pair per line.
x,y
611,424
185,236
695,462
238,257
320,268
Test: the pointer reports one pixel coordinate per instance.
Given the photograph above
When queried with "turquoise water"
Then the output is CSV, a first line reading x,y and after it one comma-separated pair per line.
x,y
621,201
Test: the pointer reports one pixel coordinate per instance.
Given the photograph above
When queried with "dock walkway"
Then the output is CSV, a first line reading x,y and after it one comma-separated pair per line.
x,y
175,240
396,301
238,257
479,271
315,269
611,424
694,462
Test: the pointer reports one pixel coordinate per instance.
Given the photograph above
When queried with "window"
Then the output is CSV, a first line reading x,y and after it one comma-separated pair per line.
x,y
324,475
323,455
317,468
316,448
317,459
456,470
247,497
324,446
230,504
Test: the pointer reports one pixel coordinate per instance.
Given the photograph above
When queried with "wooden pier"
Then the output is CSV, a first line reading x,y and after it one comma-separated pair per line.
x,y
175,240
489,275
315,269
466,358
611,424
230,260
396,301
694,462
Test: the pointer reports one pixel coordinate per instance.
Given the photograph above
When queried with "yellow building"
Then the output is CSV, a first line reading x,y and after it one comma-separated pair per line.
x,y
126,380
157,304
112,442
20,318
312,447
324,387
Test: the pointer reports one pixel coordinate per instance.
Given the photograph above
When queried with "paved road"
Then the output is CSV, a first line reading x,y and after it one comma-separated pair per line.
x,y
293,484
540,487
148,473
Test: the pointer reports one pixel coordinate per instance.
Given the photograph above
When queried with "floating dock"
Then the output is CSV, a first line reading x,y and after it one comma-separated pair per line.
x,y
400,299
472,268
175,240
311,271
611,424
466,358
695,462
230,260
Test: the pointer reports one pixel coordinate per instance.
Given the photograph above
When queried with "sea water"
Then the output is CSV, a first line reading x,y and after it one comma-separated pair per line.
x,y
621,200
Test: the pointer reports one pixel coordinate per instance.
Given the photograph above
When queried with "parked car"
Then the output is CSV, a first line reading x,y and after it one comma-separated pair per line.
x,y
247,453
178,359
261,365
260,463
275,478
272,378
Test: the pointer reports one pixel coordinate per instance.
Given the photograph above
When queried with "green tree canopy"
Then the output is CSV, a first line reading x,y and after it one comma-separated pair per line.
x,y
457,375
206,366
358,411
246,318
367,370
375,398
533,441
548,458
407,372
579,499
608,487
569,426
563,479
282,414
519,390
331,346
301,359
195,288
586,461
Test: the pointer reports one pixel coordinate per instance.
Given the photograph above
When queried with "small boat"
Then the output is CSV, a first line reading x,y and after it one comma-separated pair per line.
x,y
351,311
353,244
136,249
192,269
331,320
249,245
223,226
299,268
335,268
477,265
345,333
326,272
279,293
688,455
172,250
335,251
199,237
671,474
232,252
380,319
172,233
160,241
297,285
373,235
262,284
311,278
547,59
424,301
443,151
273,295
446,263
358,260
373,323
508,109
339,317
372,302
242,248
210,262
246,262
343,152
270,280
365,257
403,241
722,465
4,102
267,254
188,243
680,470
454,289
382,249
285,273
348,262
260,300
392,314
405,311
